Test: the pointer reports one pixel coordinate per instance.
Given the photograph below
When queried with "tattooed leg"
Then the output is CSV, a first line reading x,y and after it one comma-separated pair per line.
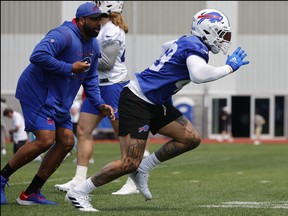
x,y
131,157
184,138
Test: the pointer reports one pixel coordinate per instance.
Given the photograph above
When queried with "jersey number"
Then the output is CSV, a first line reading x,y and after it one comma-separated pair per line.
x,y
158,64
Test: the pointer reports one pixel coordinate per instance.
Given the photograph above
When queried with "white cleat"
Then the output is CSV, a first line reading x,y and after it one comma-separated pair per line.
x,y
128,188
68,155
81,202
67,186
141,181
146,153
3,152
38,159
91,160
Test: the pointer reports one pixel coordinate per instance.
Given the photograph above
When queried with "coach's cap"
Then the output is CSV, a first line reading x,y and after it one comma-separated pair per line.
x,y
89,9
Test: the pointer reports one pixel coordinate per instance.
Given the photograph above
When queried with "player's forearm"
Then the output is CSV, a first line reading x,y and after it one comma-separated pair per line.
x,y
201,72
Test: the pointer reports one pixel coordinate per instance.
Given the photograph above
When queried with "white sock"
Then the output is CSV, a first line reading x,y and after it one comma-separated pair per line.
x,y
81,173
148,163
85,187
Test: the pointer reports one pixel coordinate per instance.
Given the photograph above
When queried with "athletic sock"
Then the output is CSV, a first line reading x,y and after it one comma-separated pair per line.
x,y
7,171
81,173
36,183
149,163
85,187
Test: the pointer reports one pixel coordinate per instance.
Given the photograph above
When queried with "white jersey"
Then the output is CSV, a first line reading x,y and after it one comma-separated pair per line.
x,y
111,33
18,121
75,111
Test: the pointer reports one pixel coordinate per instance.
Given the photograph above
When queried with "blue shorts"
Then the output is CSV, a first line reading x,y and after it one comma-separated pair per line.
x,y
110,94
39,120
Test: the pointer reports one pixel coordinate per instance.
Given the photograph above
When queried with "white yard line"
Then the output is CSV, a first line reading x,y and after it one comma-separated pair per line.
x,y
236,204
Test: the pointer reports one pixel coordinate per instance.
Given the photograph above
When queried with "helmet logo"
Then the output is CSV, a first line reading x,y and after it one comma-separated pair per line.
x,y
95,8
213,17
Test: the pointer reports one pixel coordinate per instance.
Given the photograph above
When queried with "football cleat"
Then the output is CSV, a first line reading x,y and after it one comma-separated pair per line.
x,y
3,151
66,186
141,181
128,188
146,153
4,182
33,199
81,202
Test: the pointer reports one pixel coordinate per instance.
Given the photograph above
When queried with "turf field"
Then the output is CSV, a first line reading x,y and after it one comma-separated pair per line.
x,y
214,179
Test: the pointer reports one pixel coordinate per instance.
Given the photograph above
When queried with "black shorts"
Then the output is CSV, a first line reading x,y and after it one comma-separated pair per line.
x,y
74,127
18,145
137,117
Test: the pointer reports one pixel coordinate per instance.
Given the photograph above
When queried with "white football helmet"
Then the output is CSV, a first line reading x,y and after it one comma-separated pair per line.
x,y
110,6
213,27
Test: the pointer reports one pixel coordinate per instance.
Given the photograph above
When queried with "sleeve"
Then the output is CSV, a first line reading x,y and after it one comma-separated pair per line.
x,y
91,86
111,34
109,55
201,72
166,46
45,53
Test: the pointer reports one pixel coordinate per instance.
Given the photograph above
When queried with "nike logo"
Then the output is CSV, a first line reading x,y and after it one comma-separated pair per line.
x,y
25,196
233,59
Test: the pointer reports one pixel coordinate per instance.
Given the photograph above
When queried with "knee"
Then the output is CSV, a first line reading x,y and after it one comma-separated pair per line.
x,y
70,143
193,140
45,142
67,142
83,132
79,130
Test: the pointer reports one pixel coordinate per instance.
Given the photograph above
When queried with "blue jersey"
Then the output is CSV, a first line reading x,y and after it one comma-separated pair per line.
x,y
48,82
169,74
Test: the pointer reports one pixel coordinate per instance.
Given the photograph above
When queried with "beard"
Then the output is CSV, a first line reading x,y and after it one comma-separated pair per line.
x,y
90,32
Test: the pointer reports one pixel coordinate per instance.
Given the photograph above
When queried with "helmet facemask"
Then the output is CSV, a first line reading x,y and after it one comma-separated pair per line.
x,y
219,38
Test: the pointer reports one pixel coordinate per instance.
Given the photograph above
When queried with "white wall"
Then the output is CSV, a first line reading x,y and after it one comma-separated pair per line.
x,y
69,9
265,74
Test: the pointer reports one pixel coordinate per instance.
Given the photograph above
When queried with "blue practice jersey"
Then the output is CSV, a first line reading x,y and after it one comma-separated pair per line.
x,y
169,74
48,80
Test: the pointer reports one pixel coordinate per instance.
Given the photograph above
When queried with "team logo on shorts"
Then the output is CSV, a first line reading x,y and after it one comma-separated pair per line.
x,y
144,128
50,121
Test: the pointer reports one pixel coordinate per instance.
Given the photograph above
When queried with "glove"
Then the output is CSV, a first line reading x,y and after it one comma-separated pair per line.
x,y
235,61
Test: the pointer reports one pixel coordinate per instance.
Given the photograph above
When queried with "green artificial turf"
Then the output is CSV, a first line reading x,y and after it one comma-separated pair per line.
x,y
214,179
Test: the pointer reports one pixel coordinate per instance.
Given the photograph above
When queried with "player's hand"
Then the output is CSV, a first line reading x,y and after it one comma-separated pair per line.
x,y
107,110
235,61
80,67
